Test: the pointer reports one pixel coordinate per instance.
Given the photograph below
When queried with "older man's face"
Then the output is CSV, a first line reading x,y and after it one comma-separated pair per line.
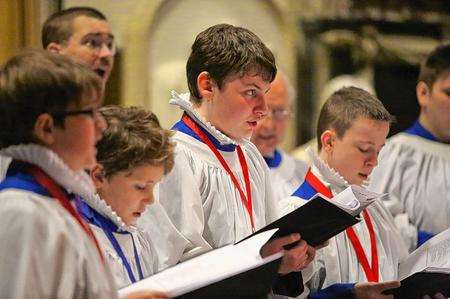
x,y
270,130
93,43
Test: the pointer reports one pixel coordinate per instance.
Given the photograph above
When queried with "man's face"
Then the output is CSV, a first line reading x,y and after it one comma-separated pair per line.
x,y
355,154
435,105
236,108
93,43
270,130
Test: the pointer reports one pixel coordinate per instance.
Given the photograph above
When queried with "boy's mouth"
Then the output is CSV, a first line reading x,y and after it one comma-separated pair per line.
x,y
252,124
364,176
100,72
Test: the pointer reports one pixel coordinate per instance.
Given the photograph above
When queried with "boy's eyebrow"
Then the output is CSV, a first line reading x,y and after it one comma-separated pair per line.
x,y
258,87
369,142
110,35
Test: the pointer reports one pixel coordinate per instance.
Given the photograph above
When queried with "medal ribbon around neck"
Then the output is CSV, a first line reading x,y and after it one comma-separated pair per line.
x,y
372,273
246,198
56,192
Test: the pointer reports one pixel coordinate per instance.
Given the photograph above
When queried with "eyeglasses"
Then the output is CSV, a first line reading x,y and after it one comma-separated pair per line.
x,y
278,114
95,43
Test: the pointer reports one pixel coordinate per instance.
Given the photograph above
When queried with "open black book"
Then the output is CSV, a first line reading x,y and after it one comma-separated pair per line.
x,y
321,218
426,271
233,271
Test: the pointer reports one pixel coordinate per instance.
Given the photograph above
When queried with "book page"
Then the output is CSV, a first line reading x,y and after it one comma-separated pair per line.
x,y
432,256
353,199
208,268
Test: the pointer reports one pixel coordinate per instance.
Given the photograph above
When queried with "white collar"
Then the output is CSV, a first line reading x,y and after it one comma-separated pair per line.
x,y
183,101
76,182
102,207
327,173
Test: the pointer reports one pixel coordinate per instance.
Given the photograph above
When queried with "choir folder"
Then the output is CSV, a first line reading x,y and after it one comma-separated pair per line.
x,y
426,271
321,218
232,271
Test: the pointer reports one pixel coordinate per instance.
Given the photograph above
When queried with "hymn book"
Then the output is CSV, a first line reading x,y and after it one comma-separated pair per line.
x,y
321,218
426,271
217,273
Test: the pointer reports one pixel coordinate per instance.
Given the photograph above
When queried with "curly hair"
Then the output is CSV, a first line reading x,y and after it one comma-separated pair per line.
x,y
133,138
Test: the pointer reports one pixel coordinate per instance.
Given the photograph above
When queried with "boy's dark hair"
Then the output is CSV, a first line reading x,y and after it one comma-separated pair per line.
x,y
436,64
58,27
133,138
223,51
37,82
344,106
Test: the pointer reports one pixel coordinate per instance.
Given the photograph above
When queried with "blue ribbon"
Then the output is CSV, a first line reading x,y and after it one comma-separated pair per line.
x,y
108,228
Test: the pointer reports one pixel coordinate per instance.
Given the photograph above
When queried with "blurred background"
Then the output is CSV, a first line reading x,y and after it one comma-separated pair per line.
x,y
321,45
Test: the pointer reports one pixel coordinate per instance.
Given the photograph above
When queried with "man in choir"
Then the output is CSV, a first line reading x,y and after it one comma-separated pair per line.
x,y
82,33
286,172
415,164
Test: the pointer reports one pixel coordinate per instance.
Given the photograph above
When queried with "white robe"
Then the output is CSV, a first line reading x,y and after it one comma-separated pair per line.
x,y
416,173
145,250
44,253
287,176
205,208
337,262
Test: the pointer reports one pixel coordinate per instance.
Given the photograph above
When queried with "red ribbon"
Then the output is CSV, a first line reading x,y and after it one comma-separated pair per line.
x,y
55,191
372,273
246,199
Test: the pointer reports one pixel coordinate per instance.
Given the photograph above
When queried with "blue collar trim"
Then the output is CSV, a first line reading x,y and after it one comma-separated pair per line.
x,y
95,218
305,191
275,161
108,227
418,130
18,178
182,127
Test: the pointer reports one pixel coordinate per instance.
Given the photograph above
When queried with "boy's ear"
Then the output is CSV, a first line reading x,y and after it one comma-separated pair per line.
x,y
97,176
205,86
44,129
423,94
54,47
327,139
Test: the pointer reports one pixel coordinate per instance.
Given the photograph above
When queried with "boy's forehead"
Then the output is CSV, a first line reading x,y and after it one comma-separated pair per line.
x,y
248,79
366,126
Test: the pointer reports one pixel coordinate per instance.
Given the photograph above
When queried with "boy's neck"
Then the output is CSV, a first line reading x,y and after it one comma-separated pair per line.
x,y
203,110
431,127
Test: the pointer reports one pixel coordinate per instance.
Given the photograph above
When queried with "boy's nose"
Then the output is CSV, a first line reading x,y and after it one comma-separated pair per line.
x,y
261,108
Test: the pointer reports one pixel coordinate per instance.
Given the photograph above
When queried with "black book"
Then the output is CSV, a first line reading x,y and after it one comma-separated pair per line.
x,y
254,283
422,283
233,271
321,218
426,271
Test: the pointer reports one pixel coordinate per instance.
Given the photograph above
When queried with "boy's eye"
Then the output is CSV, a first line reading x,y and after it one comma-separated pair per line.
x,y
363,150
251,92
140,187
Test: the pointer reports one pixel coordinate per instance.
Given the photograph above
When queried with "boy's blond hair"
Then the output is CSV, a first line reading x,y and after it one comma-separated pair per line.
x,y
344,106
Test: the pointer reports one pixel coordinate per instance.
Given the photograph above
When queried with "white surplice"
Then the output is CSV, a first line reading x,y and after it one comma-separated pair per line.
x,y
288,175
337,262
198,196
44,252
124,234
416,173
